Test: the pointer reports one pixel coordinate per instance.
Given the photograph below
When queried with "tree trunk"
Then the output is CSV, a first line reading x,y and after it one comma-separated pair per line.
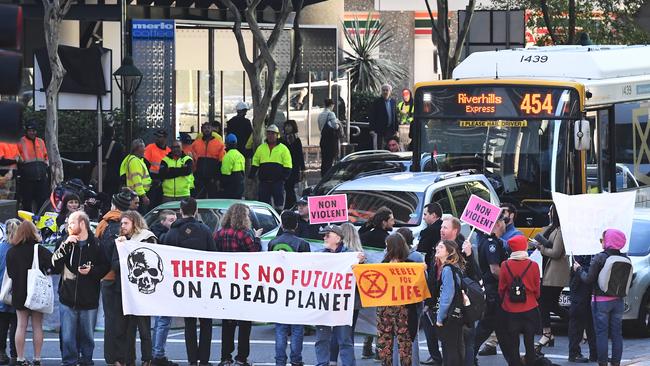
x,y
572,22
54,11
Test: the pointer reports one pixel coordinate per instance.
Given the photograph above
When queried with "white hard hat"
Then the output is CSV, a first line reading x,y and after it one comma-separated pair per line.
x,y
241,106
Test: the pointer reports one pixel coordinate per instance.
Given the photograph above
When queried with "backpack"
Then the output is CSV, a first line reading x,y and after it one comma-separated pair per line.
x,y
473,290
615,277
517,292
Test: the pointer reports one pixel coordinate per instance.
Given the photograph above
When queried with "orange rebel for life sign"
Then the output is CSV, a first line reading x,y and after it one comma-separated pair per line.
x,y
391,284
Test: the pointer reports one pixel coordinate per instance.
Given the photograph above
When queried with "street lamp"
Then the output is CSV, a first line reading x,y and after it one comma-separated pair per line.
x,y
128,78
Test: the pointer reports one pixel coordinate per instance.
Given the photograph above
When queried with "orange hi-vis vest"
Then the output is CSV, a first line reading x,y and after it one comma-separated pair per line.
x,y
154,156
32,151
9,151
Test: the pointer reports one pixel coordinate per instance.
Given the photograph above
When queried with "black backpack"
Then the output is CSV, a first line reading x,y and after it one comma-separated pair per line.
x,y
517,292
476,295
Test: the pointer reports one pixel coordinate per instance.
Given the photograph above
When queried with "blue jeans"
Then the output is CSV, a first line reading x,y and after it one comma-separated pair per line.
x,y
343,335
160,330
77,327
608,319
281,334
275,190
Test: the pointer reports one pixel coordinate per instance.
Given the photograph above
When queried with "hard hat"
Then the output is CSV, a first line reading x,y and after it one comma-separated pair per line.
x,y
231,138
273,128
241,106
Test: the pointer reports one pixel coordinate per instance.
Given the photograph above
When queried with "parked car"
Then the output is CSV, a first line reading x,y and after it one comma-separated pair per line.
x,y
211,211
406,194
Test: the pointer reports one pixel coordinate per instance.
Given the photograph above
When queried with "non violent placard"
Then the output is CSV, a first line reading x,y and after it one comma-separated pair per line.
x,y
328,209
389,284
584,217
274,287
480,214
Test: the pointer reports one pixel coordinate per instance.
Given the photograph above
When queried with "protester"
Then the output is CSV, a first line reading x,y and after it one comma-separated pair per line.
x,y
519,288
377,229
383,118
7,312
342,334
607,309
19,261
509,212
136,174
33,168
294,144
187,232
154,153
392,144
430,236
70,203
273,161
115,322
581,322
242,128
82,264
396,321
329,136
305,229
289,242
176,174
448,314
165,220
134,228
555,276
236,235
232,170
207,152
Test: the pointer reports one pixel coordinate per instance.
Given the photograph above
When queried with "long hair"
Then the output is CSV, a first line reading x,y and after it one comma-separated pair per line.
x,y
60,219
138,221
352,240
236,218
396,248
454,257
25,233
11,226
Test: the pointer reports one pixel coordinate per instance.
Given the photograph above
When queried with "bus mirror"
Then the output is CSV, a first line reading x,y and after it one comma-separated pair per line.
x,y
582,135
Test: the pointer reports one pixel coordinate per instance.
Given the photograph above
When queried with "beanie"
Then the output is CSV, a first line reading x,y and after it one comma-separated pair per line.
x,y
122,200
614,239
518,243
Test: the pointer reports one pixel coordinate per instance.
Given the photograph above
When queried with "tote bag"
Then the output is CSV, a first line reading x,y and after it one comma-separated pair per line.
x,y
40,295
5,290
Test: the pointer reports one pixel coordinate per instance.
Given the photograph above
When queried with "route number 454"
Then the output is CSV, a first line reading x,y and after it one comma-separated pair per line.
x,y
535,103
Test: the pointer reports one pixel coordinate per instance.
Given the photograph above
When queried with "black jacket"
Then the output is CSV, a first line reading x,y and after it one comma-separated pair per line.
x,y
429,238
80,291
379,117
306,230
597,263
190,234
159,230
19,261
297,159
242,128
375,238
290,239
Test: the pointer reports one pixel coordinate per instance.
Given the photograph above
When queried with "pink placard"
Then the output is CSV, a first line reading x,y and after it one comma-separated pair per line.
x,y
328,209
481,214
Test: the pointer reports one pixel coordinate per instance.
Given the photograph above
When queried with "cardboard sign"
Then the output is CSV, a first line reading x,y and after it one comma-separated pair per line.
x,y
481,214
328,209
390,284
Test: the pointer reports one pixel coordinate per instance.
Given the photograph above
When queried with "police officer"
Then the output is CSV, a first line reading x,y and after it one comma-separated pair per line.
x,y
273,161
176,174
232,169
135,172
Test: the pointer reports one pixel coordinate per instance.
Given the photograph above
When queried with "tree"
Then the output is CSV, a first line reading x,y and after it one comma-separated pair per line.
x,y
605,21
53,13
367,70
441,38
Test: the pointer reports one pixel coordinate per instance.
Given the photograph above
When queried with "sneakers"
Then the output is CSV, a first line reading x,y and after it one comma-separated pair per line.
x,y
162,361
225,363
242,363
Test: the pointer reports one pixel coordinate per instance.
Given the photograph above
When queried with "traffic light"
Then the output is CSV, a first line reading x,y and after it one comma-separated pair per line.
x,y
11,68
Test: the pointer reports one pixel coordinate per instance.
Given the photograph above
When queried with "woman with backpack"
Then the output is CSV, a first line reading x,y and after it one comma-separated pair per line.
x,y
610,273
448,317
519,289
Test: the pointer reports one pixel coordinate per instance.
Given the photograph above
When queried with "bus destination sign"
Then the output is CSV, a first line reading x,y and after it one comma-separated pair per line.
x,y
498,102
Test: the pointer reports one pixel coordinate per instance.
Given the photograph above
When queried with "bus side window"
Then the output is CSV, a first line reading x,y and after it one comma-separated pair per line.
x,y
442,197
632,151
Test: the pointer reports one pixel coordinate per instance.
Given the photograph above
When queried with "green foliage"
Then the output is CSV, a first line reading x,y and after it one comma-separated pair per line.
x,y
361,102
367,70
77,129
606,22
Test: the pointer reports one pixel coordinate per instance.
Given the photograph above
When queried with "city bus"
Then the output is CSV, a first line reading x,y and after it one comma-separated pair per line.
x,y
569,119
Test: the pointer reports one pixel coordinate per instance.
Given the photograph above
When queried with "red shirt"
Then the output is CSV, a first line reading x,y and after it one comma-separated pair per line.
x,y
231,240
531,280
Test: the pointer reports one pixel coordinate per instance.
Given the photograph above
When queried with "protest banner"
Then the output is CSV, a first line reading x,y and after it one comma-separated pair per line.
x,y
328,209
584,217
480,214
276,287
390,284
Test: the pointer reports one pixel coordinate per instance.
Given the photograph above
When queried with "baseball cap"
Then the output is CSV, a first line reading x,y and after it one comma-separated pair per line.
x,y
273,128
241,106
30,125
231,138
332,229
302,201
160,133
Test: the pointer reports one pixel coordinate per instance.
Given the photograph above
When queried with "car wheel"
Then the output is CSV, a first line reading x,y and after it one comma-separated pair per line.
x,y
641,326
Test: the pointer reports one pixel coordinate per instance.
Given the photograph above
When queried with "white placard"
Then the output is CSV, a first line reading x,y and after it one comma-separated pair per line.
x,y
536,256
584,217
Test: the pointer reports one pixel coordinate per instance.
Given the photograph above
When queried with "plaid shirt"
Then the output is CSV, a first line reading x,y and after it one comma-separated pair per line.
x,y
231,240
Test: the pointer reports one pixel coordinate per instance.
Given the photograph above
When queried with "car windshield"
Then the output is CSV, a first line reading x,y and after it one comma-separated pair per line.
x,y
640,239
210,217
347,171
406,206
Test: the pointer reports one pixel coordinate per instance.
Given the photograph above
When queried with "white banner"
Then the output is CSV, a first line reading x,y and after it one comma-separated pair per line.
x,y
584,217
278,287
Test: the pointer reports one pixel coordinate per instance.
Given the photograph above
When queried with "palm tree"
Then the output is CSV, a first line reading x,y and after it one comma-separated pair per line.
x,y
367,70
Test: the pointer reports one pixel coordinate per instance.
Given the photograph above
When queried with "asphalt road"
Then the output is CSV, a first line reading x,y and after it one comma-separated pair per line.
x,y
263,349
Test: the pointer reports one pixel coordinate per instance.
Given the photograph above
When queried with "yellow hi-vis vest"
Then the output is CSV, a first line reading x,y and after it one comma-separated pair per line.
x,y
137,174
179,186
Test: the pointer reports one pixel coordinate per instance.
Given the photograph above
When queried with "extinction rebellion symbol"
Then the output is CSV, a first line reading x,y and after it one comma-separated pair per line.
x,y
373,284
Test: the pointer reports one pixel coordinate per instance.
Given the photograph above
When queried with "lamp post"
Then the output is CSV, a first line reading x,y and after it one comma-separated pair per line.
x,y
128,78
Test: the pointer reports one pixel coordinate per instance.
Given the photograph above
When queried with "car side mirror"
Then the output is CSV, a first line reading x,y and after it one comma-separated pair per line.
x,y
582,135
